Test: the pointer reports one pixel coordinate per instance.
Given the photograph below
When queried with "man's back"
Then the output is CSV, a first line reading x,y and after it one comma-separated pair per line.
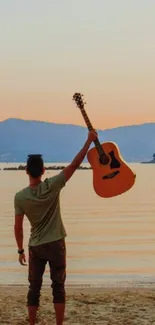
x,y
41,206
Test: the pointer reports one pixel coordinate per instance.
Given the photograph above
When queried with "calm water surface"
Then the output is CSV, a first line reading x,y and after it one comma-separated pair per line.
x,y
110,241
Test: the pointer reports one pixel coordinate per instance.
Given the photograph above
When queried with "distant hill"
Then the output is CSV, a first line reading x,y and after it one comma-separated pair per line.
x,y
60,142
152,161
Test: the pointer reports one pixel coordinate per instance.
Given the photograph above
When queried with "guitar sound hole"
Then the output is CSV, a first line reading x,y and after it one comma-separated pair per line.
x,y
104,160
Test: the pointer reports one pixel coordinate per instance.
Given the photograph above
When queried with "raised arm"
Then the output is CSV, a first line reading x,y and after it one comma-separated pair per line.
x,y
70,169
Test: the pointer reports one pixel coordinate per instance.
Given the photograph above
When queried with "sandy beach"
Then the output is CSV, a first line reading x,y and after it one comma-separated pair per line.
x,y
85,306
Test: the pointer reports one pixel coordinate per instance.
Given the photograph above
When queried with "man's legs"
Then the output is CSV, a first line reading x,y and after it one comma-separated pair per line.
x,y
36,271
58,276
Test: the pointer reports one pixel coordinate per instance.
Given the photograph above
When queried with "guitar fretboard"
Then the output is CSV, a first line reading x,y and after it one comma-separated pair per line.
x,y
90,127
87,120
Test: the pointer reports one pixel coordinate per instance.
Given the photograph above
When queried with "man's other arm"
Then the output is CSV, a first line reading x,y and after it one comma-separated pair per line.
x,y
18,224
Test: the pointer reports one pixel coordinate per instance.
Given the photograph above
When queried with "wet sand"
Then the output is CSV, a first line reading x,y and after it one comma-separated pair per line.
x,y
85,306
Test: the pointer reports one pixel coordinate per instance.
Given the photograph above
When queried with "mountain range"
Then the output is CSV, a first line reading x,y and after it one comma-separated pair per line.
x,y
61,142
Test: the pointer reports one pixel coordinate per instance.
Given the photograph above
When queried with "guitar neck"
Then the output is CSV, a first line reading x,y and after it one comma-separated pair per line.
x,y
90,127
86,118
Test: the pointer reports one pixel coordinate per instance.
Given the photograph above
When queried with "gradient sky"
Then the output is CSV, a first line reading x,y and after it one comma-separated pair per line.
x,y
50,49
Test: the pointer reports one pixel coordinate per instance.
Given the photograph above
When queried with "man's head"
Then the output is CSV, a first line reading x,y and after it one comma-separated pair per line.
x,y
35,166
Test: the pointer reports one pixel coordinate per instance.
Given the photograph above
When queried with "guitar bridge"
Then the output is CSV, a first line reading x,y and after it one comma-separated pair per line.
x,y
111,175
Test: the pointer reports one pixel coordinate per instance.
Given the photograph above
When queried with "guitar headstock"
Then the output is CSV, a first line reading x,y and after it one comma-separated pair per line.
x,y
78,98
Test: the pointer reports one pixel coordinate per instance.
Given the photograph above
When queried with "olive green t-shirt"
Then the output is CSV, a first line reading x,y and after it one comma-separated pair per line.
x,y
42,207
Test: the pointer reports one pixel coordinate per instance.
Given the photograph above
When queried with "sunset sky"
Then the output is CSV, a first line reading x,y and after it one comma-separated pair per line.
x,y
105,49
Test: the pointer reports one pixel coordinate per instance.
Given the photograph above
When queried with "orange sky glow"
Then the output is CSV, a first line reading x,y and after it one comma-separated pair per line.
x,y
106,52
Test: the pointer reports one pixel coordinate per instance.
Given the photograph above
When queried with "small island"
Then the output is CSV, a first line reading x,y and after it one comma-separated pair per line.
x,y
20,167
149,162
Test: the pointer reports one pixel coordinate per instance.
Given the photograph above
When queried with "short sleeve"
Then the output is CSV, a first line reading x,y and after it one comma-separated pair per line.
x,y
17,206
57,181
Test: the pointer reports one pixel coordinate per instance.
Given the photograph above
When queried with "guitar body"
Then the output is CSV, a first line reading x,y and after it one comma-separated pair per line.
x,y
114,178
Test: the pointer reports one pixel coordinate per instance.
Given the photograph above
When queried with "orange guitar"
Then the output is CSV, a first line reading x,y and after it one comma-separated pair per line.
x,y
111,174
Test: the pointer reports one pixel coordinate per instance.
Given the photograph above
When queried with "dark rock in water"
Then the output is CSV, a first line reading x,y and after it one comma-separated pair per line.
x,y
10,168
20,167
149,162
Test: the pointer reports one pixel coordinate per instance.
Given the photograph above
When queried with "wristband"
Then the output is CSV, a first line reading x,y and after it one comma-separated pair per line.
x,y
20,251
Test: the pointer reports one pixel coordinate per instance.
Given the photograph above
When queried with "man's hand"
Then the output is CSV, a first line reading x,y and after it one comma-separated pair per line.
x,y
92,135
22,259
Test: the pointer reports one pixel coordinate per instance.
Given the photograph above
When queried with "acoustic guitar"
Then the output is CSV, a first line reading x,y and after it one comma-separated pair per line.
x,y
111,174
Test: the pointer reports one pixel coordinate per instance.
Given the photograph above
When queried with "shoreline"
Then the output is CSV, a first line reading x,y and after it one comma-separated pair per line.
x,y
106,285
70,289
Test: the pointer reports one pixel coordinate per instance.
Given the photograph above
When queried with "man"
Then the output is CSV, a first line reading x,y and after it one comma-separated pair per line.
x,y
40,203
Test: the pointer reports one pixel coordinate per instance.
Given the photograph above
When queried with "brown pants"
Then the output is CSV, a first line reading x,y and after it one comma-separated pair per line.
x,y
55,254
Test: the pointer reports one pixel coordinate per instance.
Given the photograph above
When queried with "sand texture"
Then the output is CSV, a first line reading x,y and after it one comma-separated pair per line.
x,y
106,306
